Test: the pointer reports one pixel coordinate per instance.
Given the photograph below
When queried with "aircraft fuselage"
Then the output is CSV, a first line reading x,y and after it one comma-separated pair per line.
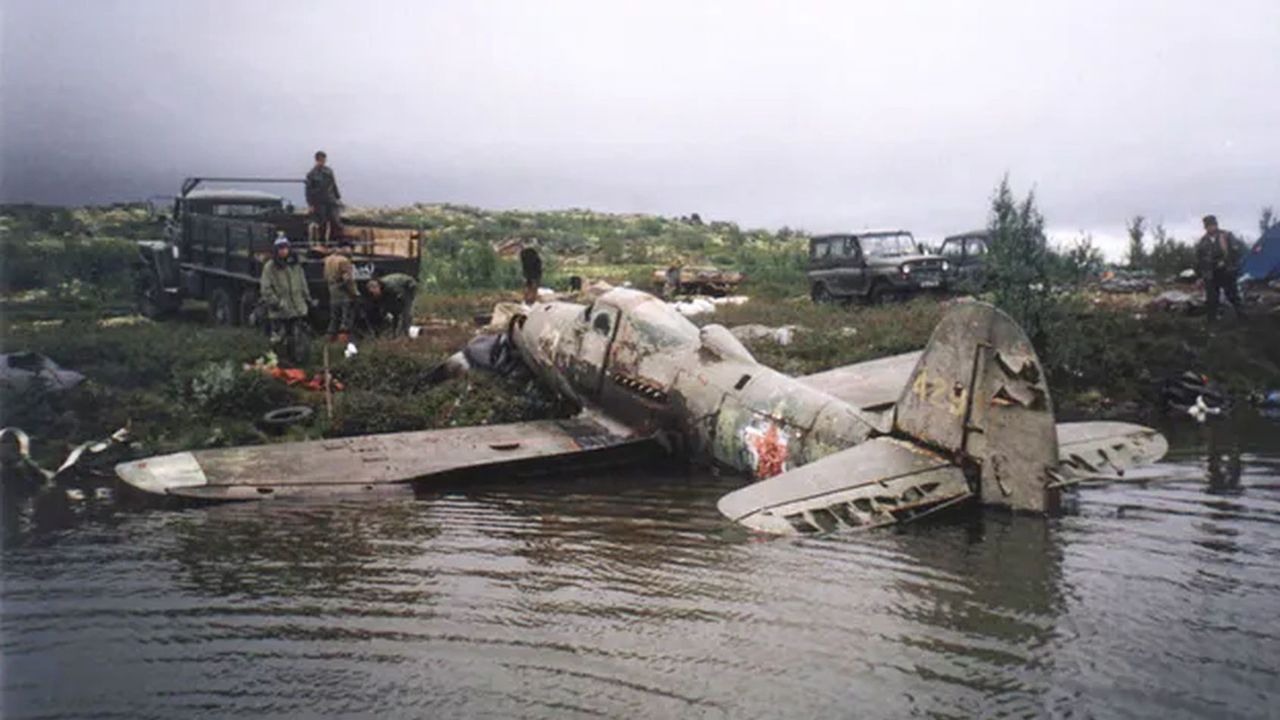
x,y
633,358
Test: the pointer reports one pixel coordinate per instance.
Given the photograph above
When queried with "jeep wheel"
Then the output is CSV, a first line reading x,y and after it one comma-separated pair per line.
x,y
881,294
222,309
820,294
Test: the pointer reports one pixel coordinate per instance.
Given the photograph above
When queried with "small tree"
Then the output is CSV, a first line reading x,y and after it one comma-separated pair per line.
x,y
1137,229
1267,220
1168,255
1018,262
1081,260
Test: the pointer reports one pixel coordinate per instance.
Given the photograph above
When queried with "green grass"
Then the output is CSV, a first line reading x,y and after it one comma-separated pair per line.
x,y
169,381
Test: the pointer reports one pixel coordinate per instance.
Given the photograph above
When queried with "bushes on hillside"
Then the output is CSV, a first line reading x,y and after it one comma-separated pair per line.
x,y
66,265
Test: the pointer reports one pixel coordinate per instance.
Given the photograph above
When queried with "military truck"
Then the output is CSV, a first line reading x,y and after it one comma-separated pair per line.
x,y
216,241
872,265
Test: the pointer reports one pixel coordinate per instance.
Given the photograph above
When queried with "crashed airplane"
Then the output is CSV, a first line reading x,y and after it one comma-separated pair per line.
x,y
968,419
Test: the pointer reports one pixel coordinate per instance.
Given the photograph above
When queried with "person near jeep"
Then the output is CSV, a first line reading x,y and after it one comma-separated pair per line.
x,y
531,268
340,276
1218,254
284,292
324,199
393,297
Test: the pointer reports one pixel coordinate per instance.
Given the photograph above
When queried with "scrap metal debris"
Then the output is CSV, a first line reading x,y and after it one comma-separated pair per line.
x,y
23,371
782,335
15,449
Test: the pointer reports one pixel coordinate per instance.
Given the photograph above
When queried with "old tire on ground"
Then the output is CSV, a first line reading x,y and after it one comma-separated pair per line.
x,y
819,293
280,418
250,313
222,307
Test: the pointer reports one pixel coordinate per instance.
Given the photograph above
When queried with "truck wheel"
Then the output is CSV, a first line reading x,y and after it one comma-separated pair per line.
x,y
151,299
880,294
820,294
251,314
222,309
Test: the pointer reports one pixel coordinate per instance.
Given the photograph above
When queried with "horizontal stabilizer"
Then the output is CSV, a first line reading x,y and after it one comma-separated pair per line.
x,y
879,482
1105,449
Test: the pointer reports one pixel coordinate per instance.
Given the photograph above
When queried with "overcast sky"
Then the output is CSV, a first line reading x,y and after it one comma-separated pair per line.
x,y
815,115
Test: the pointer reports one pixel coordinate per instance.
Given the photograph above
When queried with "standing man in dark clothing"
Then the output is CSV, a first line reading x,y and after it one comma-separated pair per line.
x,y
340,276
393,295
1218,254
324,199
531,268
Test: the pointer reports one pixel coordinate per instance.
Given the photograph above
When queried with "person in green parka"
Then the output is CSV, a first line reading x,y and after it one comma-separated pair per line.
x,y
285,295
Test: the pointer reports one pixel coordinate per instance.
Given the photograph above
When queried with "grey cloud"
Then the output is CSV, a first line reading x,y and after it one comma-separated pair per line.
x,y
814,115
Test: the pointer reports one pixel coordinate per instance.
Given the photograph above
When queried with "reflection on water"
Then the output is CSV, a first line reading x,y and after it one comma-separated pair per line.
x,y
630,596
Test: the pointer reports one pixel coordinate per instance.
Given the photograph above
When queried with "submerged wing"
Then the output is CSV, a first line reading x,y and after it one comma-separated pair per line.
x,y
371,463
871,385
876,483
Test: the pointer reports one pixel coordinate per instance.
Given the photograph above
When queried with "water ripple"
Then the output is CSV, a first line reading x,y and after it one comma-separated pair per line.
x,y
629,596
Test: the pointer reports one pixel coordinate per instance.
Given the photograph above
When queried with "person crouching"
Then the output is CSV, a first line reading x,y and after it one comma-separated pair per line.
x,y
393,297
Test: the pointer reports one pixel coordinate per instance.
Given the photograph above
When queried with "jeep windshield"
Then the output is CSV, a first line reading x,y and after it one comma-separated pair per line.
x,y
890,245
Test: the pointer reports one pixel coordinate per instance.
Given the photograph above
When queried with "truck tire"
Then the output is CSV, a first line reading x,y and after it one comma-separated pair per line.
x,y
223,308
820,294
280,418
151,299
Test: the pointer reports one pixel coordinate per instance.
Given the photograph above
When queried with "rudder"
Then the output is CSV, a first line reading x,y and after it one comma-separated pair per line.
x,y
979,395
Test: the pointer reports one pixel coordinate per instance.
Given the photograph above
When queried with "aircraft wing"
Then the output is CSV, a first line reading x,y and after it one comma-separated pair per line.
x,y
871,385
372,463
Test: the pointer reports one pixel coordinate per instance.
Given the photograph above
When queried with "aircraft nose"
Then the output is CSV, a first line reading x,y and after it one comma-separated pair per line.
x,y
159,475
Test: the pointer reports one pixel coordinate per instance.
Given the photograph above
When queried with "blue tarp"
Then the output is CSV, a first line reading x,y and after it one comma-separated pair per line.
x,y
1263,261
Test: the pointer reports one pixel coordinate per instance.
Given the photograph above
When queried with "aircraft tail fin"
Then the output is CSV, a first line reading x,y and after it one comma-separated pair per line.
x,y
979,395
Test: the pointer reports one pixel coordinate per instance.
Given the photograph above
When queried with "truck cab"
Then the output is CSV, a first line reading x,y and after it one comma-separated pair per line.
x,y
873,266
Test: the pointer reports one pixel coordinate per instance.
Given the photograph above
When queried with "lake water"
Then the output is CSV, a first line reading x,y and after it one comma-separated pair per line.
x,y
629,596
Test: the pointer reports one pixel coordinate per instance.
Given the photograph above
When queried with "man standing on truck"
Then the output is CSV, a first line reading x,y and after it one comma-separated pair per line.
x,y
340,276
531,268
1219,253
324,199
284,292
393,295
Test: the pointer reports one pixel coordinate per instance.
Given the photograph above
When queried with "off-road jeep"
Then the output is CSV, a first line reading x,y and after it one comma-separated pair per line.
x,y
872,265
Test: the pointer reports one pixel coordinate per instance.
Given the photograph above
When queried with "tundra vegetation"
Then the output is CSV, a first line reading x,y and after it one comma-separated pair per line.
x,y
66,291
